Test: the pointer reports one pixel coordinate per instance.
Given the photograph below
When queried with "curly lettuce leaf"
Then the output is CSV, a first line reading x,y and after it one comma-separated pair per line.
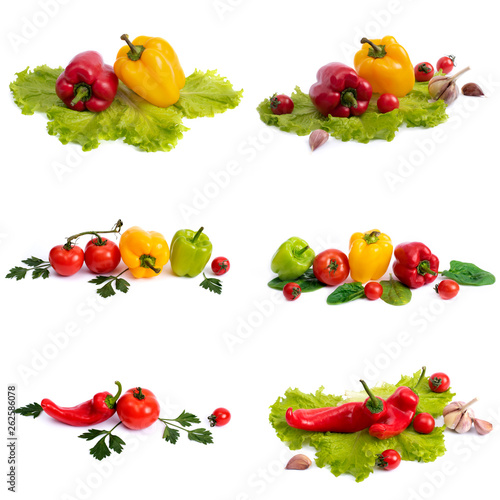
x,y
414,111
355,453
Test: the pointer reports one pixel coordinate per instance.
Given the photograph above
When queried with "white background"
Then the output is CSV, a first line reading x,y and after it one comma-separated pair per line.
x,y
437,186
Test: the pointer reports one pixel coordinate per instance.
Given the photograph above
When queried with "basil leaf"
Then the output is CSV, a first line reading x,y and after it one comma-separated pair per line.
x,y
395,293
468,274
307,282
345,293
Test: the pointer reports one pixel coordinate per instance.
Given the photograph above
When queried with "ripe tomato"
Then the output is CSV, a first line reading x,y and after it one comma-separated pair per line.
x,y
104,258
439,382
424,423
220,265
281,104
446,64
331,267
447,289
292,291
424,71
373,290
387,102
388,460
219,417
66,262
138,408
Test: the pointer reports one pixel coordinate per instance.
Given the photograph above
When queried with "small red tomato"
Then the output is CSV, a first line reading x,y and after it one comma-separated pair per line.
x,y
439,382
424,423
331,267
387,102
388,460
447,289
219,417
373,290
446,64
281,104
292,291
220,265
424,71
138,408
66,261
103,258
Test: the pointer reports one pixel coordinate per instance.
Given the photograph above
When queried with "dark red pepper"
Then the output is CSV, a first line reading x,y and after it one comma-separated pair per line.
x,y
415,265
348,417
98,409
87,83
340,92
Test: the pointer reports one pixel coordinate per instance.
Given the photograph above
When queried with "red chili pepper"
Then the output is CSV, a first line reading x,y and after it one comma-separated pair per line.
x,y
339,91
87,83
415,265
98,409
349,417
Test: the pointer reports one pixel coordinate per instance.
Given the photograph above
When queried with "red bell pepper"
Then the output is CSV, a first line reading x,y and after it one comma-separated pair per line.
x,y
415,265
340,92
87,83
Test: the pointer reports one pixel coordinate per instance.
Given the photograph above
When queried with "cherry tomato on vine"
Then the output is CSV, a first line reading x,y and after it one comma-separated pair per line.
x,y
446,64
424,71
331,267
388,460
220,265
292,291
439,382
424,423
138,408
447,289
219,417
101,259
387,102
281,104
373,290
66,261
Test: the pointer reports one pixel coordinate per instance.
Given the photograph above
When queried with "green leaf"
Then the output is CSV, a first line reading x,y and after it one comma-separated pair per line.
x,y
100,450
17,272
122,285
170,435
346,293
202,436
395,293
40,272
468,274
212,284
99,280
187,419
206,94
30,410
92,434
116,443
106,290
307,282
33,261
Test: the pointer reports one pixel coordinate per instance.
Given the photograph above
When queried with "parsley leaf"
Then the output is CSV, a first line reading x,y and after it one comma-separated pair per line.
x,y
170,435
107,290
200,436
17,272
212,284
101,450
185,419
39,267
31,410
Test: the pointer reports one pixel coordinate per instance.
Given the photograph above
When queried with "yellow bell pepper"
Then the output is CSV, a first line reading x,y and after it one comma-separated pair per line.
x,y
369,255
144,252
150,67
386,65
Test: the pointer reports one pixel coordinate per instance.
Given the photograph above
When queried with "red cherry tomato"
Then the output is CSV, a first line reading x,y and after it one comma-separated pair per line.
x,y
220,265
424,71
447,289
331,267
219,417
66,262
387,102
439,382
373,290
424,423
281,104
388,460
101,259
446,64
292,291
138,408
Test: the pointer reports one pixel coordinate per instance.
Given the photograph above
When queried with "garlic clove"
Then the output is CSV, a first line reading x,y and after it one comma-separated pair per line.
x,y
472,89
453,406
482,427
465,423
299,462
318,138
452,419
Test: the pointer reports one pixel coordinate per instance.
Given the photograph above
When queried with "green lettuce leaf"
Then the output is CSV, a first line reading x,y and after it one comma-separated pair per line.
x,y
414,110
130,118
355,453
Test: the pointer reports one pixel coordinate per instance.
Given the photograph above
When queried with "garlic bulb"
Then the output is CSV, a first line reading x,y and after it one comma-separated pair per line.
x,y
444,87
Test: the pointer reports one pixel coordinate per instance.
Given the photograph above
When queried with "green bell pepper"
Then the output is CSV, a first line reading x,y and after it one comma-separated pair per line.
x,y
189,252
292,259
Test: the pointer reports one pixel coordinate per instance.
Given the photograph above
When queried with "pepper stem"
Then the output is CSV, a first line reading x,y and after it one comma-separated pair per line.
x,y
197,235
376,51
149,261
111,400
302,250
348,98
135,51
82,94
371,238
376,405
424,268
422,375
376,48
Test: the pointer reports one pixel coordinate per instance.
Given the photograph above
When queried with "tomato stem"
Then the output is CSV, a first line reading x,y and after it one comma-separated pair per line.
x,y
115,229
